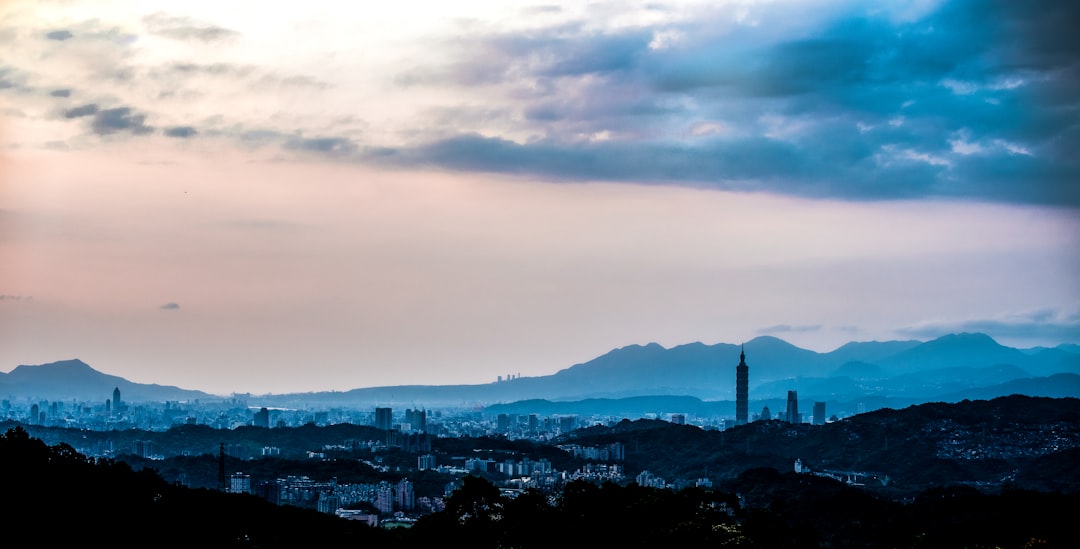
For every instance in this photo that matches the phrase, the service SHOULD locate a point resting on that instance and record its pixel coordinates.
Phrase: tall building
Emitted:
(383, 418)
(117, 407)
(742, 390)
(426, 461)
(792, 413)
(819, 413)
(405, 499)
(417, 419)
(239, 483)
(261, 418)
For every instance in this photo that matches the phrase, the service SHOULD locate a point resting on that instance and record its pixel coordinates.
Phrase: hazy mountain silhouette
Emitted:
(906, 370)
(76, 380)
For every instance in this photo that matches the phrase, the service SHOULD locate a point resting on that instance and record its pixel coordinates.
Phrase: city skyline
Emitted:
(274, 198)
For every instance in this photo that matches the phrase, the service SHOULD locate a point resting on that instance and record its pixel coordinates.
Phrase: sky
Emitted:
(275, 197)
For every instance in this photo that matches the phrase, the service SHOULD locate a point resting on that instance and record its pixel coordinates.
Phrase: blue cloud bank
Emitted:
(975, 100)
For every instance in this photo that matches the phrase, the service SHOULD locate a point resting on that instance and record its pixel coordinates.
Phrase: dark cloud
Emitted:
(749, 164)
(9, 78)
(976, 100)
(180, 131)
(66, 92)
(184, 28)
(120, 119)
(327, 145)
(59, 35)
(170, 306)
(80, 111)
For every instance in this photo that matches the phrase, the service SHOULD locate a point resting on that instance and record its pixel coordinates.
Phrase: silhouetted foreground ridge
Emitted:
(85, 501)
(88, 500)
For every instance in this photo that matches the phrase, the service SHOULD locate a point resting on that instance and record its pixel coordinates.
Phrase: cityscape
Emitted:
(401, 446)
(764, 274)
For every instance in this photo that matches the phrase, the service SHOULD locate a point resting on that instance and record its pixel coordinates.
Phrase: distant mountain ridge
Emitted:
(908, 371)
(76, 380)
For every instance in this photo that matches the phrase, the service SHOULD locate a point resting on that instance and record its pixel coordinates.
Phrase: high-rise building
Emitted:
(117, 407)
(819, 413)
(262, 418)
(426, 461)
(384, 497)
(792, 413)
(405, 499)
(417, 419)
(742, 390)
(239, 483)
(383, 418)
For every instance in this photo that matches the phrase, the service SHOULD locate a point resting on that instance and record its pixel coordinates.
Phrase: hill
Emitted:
(44, 479)
(76, 380)
(899, 371)
(1016, 440)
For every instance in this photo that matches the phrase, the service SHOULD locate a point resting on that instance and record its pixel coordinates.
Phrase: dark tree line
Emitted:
(84, 499)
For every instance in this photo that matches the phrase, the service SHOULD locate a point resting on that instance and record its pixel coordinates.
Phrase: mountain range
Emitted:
(873, 374)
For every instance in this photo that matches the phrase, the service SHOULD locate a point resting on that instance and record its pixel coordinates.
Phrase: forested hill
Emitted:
(86, 501)
(1017, 440)
(763, 508)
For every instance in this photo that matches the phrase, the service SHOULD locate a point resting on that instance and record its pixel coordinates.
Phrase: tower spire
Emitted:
(742, 389)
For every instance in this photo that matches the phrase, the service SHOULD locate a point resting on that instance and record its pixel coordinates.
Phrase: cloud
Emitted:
(1048, 325)
(59, 35)
(853, 105)
(748, 164)
(327, 145)
(787, 328)
(81, 111)
(120, 119)
(170, 306)
(66, 92)
(184, 28)
(12, 78)
(180, 131)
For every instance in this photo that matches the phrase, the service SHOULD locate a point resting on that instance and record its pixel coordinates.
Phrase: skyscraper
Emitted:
(819, 413)
(742, 390)
(792, 414)
(417, 419)
(261, 418)
(383, 418)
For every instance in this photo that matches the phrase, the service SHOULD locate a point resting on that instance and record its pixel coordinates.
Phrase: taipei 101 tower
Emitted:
(742, 390)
